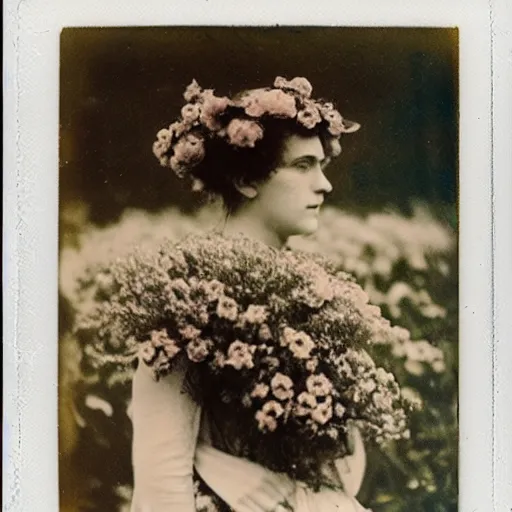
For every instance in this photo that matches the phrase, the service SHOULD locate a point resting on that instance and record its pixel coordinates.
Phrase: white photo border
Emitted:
(31, 135)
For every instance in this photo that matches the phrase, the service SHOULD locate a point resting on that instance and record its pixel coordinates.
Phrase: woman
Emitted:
(264, 153)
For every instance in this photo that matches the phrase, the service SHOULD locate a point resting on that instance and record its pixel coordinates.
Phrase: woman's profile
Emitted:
(253, 388)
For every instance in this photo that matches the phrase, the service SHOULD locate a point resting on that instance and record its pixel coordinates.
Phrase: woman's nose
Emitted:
(323, 184)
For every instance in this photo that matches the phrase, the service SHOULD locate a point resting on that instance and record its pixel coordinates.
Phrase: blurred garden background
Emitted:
(391, 219)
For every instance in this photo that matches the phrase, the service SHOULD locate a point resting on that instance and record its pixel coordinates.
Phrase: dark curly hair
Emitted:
(224, 165)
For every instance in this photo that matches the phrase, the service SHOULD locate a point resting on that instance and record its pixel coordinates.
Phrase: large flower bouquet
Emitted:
(276, 341)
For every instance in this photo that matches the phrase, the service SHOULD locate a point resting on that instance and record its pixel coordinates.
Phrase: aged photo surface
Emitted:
(258, 269)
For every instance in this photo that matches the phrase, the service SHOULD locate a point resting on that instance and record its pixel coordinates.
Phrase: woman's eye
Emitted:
(303, 165)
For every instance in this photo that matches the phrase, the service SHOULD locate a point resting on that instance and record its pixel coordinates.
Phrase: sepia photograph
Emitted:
(258, 269)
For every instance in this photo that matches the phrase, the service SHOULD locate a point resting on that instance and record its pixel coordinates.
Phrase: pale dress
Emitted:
(170, 439)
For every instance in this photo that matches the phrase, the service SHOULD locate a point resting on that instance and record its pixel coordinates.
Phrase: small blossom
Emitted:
(244, 133)
(192, 92)
(160, 148)
(318, 385)
(213, 289)
(282, 386)
(190, 332)
(190, 113)
(271, 102)
(158, 338)
(268, 414)
(213, 106)
(147, 351)
(239, 355)
(309, 116)
(299, 343)
(255, 314)
(227, 308)
(382, 401)
(322, 413)
(306, 402)
(260, 390)
(300, 85)
(189, 150)
(198, 350)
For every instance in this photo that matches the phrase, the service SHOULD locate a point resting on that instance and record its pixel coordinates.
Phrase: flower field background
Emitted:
(408, 266)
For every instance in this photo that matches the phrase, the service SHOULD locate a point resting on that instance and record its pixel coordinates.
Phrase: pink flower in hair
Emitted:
(189, 149)
(212, 107)
(178, 128)
(274, 102)
(160, 148)
(298, 84)
(244, 133)
(192, 92)
(190, 113)
(335, 121)
(309, 116)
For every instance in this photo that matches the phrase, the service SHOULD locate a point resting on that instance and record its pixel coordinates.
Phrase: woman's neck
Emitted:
(250, 226)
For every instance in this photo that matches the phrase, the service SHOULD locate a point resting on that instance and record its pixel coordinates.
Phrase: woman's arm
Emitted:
(165, 428)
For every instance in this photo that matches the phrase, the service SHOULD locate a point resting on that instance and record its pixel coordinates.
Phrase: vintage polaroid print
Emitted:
(263, 257)
(289, 367)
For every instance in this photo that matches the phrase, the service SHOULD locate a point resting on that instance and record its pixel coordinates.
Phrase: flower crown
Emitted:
(181, 146)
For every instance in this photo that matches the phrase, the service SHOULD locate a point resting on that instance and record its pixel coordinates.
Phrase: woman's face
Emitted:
(289, 201)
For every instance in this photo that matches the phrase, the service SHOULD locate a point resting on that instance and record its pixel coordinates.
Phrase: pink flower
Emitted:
(299, 343)
(198, 350)
(306, 402)
(227, 308)
(282, 386)
(255, 314)
(336, 127)
(239, 355)
(189, 150)
(190, 113)
(212, 107)
(309, 116)
(268, 415)
(158, 338)
(300, 85)
(318, 385)
(160, 148)
(271, 102)
(192, 92)
(165, 136)
(179, 128)
(213, 289)
(190, 332)
(260, 390)
(147, 351)
(244, 133)
(322, 413)
(382, 401)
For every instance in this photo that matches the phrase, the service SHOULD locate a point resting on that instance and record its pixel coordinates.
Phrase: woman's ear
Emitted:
(248, 190)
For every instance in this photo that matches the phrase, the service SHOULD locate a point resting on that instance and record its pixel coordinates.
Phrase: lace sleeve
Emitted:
(165, 429)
